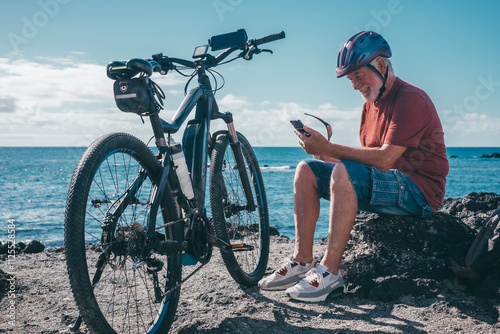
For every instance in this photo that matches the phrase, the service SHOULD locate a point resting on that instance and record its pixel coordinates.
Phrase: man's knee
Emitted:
(304, 174)
(339, 177)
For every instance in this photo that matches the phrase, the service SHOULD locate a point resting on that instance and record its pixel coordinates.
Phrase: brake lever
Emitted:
(247, 54)
(251, 50)
(164, 63)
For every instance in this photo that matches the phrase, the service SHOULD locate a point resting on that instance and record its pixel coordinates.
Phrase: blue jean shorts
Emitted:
(386, 192)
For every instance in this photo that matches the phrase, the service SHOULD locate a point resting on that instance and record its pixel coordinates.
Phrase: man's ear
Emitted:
(381, 65)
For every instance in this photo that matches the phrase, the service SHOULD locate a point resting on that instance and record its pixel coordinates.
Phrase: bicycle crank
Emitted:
(197, 236)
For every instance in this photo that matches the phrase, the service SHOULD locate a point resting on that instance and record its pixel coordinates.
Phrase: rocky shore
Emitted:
(397, 271)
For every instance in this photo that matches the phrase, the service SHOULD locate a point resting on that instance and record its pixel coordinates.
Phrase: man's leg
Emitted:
(306, 212)
(325, 279)
(343, 209)
(306, 207)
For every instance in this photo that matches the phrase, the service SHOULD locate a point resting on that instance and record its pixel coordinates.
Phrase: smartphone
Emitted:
(297, 124)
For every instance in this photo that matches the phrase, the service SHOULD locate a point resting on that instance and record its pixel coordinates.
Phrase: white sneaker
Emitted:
(317, 285)
(287, 275)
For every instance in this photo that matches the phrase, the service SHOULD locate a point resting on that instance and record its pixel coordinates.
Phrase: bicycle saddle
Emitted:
(117, 70)
(140, 65)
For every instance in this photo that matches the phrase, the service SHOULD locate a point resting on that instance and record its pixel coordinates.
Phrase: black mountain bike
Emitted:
(134, 217)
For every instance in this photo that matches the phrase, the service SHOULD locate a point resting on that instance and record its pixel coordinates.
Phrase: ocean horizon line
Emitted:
(255, 146)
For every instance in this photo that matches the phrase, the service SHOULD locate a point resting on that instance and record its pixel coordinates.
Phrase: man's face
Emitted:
(367, 82)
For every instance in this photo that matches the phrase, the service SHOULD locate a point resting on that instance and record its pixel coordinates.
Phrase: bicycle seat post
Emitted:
(160, 140)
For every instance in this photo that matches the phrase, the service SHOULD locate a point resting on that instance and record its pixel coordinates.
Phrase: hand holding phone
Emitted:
(297, 124)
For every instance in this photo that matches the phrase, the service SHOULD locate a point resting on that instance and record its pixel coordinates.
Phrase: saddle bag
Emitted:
(134, 95)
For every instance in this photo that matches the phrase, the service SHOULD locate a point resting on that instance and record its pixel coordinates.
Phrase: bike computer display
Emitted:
(200, 51)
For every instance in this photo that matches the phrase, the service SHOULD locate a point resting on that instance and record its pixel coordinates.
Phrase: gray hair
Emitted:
(387, 63)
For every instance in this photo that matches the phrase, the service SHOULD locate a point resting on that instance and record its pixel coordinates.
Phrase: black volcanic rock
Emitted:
(390, 256)
(494, 155)
(34, 246)
(474, 208)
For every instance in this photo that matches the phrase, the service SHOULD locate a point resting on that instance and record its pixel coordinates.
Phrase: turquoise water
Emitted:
(35, 182)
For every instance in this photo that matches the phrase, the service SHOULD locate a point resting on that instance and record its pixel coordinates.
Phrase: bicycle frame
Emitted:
(196, 143)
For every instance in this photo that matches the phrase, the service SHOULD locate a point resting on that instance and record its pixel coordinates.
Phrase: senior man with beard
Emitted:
(400, 168)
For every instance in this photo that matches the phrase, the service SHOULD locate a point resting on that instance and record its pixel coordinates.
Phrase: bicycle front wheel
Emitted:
(246, 231)
(119, 284)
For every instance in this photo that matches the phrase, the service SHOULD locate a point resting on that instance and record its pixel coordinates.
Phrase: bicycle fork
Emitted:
(240, 162)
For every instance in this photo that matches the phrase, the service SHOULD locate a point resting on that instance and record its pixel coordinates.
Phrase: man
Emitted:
(400, 169)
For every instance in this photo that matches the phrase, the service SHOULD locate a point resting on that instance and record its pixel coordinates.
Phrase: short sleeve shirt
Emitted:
(407, 117)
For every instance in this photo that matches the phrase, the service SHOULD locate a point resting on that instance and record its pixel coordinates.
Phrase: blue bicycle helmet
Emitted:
(360, 50)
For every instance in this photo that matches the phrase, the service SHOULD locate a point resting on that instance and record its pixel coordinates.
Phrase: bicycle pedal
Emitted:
(242, 247)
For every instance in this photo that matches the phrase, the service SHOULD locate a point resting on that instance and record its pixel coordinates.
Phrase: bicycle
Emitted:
(135, 218)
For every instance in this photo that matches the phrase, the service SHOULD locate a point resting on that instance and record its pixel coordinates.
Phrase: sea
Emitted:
(35, 180)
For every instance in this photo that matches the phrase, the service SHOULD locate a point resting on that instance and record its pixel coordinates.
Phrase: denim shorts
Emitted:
(386, 192)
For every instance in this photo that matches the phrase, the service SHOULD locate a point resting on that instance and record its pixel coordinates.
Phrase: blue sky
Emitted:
(54, 91)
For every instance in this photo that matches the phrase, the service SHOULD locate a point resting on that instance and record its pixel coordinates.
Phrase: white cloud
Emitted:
(38, 85)
(475, 123)
(472, 129)
(231, 102)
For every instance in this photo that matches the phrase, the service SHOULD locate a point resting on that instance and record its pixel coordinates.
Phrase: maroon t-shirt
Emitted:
(407, 117)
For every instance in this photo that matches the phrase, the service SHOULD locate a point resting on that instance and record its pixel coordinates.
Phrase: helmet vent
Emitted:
(343, 60)
(351, 57)
(361, 41)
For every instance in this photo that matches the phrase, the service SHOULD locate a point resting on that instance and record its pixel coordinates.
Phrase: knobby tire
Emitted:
(246, 231)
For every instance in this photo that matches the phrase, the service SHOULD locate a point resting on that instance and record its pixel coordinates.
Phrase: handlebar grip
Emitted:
(269, 38)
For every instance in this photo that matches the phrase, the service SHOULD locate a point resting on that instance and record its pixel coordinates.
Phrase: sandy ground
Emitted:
(211, 302)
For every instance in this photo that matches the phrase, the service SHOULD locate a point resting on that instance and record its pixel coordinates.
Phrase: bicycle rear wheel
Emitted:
(118, 285)
(246, 231)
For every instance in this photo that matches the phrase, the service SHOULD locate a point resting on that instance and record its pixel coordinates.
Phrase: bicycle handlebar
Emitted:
(183, 62)
(119, 69)
(268, 38)
(211, 61)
